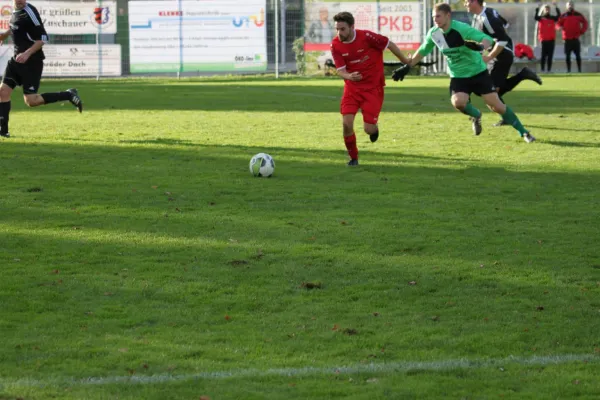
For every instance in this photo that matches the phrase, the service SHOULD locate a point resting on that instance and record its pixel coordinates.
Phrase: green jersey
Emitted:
(462, 61)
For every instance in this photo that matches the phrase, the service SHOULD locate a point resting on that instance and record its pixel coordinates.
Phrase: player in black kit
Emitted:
(25, 67)
(499, 63)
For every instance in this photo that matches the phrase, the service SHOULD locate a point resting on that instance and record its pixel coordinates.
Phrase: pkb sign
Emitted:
(395, 23)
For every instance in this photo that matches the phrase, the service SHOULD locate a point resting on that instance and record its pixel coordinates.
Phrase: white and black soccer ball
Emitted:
(263, 165)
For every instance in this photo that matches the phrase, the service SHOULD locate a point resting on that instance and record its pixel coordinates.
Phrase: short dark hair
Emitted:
(344, 16)
(443, 7)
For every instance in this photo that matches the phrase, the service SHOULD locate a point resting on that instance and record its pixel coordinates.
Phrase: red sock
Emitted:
(350, 142)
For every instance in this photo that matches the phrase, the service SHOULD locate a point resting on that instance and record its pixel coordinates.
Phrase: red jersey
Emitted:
(573, 25)
(546, 29)
(362, 54)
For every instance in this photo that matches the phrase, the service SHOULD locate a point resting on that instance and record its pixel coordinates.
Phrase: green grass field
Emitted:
(141, 260)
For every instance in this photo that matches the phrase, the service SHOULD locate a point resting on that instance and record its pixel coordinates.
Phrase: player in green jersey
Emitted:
(461, 44)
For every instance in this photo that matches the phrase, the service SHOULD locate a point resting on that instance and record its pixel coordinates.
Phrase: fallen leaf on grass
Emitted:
(227, 317)
(376, 314)
(259, 255)
(335, 327)
(350, 331)
(311, 285)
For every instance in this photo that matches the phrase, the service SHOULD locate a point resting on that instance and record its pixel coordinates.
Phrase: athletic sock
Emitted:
(511, 118)
(471, 111)
(56, 96)
(511, 83)
(4, 114)
(350, 142)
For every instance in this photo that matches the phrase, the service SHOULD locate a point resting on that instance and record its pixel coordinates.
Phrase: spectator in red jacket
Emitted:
(546, 25)
(573, 25)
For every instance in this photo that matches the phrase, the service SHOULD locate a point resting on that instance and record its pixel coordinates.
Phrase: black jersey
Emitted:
(492, 24)
(26, 27)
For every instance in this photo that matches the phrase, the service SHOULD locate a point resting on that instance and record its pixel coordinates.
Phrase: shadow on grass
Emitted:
(571, 144)
(149, 251)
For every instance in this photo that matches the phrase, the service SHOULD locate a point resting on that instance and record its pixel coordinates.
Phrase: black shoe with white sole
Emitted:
(75, 99)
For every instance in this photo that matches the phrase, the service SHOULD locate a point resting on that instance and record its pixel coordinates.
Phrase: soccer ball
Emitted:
(263, 165)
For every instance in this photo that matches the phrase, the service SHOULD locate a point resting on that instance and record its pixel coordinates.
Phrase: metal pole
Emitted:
(283, 35)
(526, 22)
(276, 39)
(592, 25)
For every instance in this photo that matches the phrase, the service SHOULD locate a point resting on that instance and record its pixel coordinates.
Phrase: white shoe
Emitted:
(528, 138)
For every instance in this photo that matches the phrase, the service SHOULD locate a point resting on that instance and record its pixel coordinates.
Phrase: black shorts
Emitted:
(479, 84)
(27, 75)
(501, 68)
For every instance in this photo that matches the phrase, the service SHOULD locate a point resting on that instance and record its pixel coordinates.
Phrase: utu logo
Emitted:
(258, 21)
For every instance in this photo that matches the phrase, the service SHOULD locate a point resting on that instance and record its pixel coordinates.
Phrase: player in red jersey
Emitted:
(358, 57)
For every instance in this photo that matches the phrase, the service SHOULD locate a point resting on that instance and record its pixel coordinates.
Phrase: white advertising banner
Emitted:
(197, 35)
(69, 17)
(76, 60)
(82, 60)
(399, 21)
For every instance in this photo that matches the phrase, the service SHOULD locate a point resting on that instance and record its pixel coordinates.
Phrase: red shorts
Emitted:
(369, 101)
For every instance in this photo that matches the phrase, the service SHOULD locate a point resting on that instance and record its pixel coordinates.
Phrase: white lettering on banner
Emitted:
(70, 18)
(208, 35)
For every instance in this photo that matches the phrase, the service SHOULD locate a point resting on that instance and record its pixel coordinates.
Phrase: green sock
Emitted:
(471, 111)
(510, 117)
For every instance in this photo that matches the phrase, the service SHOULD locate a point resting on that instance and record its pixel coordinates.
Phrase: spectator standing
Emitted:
(573, 25)
(546, 27)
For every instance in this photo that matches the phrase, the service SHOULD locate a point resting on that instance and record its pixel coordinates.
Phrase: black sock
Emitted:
(510, 84)
(4, 113)
(54, 97)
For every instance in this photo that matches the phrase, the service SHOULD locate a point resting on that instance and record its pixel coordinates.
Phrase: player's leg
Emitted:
(492, 100)
(460, 90)
(577, 51)
(31, 85)
(371, 108)
(551, 45)
(350, 138)
(10, 80)
(348, 108)
(501, 71)
(568, 48)
(544, 57)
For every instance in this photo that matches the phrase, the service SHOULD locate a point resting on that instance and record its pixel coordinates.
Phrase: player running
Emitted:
(500, 59)
(457, 42)
(25, 67)
(358, 57)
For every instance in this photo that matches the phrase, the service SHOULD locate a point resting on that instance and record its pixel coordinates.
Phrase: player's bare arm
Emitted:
(398, 53)
(23, 57)
(351, 76)
(415, 59)
(493, 53)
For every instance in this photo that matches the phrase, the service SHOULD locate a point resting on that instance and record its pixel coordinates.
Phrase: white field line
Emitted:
(393, 367)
